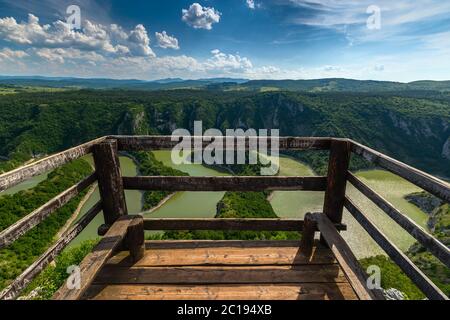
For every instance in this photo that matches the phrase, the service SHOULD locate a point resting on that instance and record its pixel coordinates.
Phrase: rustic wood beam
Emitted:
(309, 230)
(110, 182)
(430, 290)
(134, 239)
(437, 248)
(337, 179)
(93, 262)
(20, 283)
(347, 260)
(236, 183)
(433, 185)
(19, 228)
(259, 224)
(147, 143)
(14, 177)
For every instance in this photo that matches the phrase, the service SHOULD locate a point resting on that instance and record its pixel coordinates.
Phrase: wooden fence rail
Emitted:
(437, 248)
(224, 224)
(148, 143)
(430, 290)
(238, 183)
(14, 177)
(20, 283)
(433, 185)
(114, 206)
(19, 228)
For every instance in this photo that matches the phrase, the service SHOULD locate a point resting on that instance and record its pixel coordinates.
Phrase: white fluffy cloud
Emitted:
(227, 62)
(251, 4)
(99, 50)
(200, 17)
(8, 54)
(110, 39)
(165, 41)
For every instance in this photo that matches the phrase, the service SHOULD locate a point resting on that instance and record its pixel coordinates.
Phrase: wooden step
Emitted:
(208, 274)
(188, 256)
(239, 270)
(321, 291)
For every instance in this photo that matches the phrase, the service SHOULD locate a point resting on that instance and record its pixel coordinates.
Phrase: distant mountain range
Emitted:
(228, 84)
(103, 83)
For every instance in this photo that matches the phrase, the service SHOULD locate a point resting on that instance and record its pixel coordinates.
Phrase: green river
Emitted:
(287, 204)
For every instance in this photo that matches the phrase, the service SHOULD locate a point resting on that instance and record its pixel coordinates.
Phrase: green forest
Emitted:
(411, 125)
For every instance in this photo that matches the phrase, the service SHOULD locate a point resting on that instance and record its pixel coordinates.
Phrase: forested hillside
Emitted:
(411, 127)
(19, 255)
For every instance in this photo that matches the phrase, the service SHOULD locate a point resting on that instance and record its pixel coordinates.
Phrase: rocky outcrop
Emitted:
(393, 294)
(134, 122)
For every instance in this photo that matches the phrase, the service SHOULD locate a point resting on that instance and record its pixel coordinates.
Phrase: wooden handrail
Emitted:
(232, 183)
(20, 283)
(433, 185)
(347, 260)
(430, 290)
(437, 248)
(148, 143)
(19, 228)
(14, 177)
(93, 262)
(224, 224)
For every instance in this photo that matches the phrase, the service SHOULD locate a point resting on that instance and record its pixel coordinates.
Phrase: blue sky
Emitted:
(400, 40)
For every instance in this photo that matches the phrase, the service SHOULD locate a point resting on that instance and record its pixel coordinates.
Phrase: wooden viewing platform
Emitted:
(124, 266)
(185, 270)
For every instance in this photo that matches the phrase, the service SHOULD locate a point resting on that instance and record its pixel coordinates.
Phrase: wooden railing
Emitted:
(112, 185)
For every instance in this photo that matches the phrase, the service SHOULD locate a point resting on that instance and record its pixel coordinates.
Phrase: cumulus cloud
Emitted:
(110, 39)
(8, 54)
(200, 17)
(165, 41)
(227, 62)
(61, 55)
(251, 4)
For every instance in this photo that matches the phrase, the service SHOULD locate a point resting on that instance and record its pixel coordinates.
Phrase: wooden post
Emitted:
(337, 179)
(134, 239)
(309, 230)
(110, 181)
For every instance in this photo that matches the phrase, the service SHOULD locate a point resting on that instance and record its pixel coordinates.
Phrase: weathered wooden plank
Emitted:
(259, 224)
(437, 248)
(191, 255)
(309, 230)
(347, 260)
(303, 291)
(20, 283)
(14, 177)
(220, 274)
(110, 182)
(19, 228)
(411, 270)
(337, 179)
(134, 239)
(192, 244)
(92, 263)
(433, 185)
(238, 183)
(146, 143)
(223, 224)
